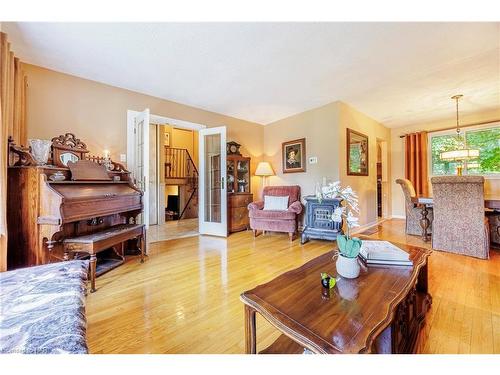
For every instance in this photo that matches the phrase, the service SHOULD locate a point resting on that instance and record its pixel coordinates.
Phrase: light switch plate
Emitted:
(123, 157)
(313, 160)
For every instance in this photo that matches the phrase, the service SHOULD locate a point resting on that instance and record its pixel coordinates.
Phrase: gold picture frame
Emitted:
(357, 153)
(293, 155)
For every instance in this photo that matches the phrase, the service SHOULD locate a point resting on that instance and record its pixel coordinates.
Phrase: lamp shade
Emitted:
(458, 155)
(264, 169)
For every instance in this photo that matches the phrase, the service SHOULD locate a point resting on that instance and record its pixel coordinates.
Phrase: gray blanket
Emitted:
(42, 309)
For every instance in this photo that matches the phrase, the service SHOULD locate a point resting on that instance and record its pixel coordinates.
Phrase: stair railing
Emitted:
(180, 164)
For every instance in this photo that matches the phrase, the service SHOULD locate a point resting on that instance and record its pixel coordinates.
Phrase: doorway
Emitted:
(382, 179)
(379, 180)
(163, 155)
(179, 180)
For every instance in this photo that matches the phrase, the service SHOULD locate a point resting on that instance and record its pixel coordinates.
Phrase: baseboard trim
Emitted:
(398, 217)
(369, 225)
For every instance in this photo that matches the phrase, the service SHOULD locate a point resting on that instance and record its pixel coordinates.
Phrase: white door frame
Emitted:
(156, 120)
(131, 141)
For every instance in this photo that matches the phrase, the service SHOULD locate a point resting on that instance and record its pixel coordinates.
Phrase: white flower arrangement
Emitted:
(350, 198)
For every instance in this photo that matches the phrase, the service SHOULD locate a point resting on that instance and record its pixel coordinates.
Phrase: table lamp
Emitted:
(264, 170)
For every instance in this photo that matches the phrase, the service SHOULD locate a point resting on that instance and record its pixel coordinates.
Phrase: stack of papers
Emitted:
(383, 253)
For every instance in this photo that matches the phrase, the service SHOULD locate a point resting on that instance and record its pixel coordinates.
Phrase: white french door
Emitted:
(140, 170)
(212, 211)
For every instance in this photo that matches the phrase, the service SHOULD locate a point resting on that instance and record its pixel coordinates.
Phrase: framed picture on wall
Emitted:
(357, 153)
(293, 154)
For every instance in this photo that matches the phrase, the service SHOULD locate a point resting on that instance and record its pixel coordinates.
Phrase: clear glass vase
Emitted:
(40, 149)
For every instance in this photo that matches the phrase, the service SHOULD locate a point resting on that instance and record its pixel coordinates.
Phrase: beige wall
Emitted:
(492, 186)
(325, 131)
(320, 128)
(365, 186)
(187, 139)
(97, 113)
(172, 190)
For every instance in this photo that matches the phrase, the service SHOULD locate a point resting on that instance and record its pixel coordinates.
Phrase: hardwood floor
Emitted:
(185, 297)
(173, 229)
(465, 312)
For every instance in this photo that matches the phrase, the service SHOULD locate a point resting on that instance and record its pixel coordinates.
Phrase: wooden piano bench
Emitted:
(103, 240)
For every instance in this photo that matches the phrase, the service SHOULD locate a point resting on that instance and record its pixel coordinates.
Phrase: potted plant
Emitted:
(349, 247)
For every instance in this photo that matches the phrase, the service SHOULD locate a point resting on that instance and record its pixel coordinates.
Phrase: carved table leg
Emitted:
(93, 261)
(250, 331)
(425, 223)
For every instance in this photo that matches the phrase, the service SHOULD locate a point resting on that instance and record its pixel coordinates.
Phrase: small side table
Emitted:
(319, 223)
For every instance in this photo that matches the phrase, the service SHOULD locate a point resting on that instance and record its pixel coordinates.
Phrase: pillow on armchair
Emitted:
(275, 203)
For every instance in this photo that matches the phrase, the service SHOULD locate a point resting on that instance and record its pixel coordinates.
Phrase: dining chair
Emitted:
(460, 224)
(494, 221)
(413, 213)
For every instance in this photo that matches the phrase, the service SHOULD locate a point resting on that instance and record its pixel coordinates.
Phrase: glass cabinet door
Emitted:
(231, 166)
(243, 176)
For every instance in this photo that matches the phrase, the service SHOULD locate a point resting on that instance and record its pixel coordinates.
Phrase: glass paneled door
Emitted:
(140, 163)
(212, 182)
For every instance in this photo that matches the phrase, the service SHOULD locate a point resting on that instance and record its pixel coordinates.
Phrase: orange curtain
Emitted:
(13, 84)
(416, 162)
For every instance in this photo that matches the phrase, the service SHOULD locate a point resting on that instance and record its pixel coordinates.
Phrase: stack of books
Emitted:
(383, 253)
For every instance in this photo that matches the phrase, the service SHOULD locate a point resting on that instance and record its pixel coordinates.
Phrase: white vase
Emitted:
(348, 267)
(40, 149)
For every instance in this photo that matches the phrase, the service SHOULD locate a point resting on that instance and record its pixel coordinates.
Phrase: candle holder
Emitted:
(107, 161)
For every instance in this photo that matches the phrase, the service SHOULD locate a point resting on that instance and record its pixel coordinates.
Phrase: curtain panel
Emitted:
(416, 166)
(13, 83)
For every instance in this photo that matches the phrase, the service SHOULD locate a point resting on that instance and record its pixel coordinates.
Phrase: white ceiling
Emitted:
(397, 73)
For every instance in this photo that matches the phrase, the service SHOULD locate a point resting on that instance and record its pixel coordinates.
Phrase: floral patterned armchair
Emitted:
(276, 221)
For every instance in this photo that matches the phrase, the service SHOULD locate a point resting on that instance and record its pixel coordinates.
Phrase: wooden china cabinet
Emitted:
(238, 192)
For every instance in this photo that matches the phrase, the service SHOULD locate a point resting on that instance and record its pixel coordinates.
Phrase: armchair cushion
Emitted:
(296, 207)
(272, 215)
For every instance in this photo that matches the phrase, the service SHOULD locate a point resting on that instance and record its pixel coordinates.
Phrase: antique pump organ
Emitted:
(74, 206)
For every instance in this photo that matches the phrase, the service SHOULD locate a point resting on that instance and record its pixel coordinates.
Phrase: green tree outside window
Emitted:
(487, 141)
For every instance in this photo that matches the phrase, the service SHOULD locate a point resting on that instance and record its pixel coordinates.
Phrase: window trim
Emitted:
(463, 129)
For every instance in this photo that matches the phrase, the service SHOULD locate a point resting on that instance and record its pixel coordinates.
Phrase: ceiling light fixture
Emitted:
(461, 153)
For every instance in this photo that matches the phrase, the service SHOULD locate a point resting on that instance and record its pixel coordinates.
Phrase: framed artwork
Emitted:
(357, 153)
(293, 154)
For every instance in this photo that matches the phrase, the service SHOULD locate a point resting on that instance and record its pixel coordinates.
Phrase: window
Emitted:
(486, 140)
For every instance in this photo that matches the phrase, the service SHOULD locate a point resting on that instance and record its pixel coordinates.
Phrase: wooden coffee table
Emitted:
(381, 311)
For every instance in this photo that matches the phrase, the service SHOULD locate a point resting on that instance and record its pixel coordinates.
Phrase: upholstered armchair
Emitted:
(413, 214)
(460, 225)
(274, 220)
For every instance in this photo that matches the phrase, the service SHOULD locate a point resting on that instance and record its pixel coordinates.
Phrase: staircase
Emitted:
(181, 170)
